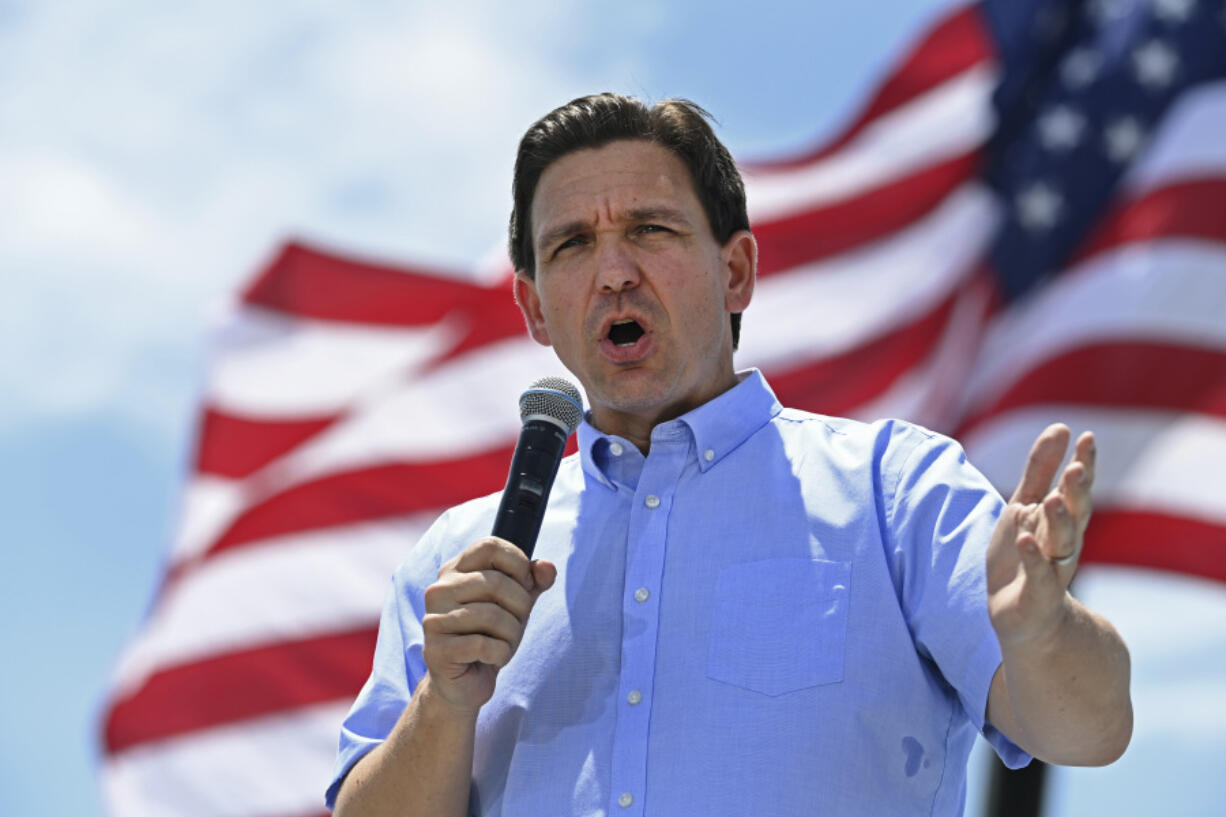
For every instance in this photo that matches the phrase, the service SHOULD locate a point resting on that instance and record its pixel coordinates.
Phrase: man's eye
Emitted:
(653, 228)
(568, 243)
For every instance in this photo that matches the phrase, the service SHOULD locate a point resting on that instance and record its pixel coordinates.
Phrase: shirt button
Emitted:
(708, 455)
(625, 800)
(634, 697)
(642, 594)
(652, 501)
(616, 449)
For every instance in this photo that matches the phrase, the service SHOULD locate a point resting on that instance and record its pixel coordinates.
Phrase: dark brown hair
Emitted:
(595, 121)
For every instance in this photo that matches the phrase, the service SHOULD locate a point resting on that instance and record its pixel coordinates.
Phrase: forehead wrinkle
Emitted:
(618, 189)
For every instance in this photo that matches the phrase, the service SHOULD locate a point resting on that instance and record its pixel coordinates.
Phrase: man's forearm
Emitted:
(1068, 694)
(423, 768)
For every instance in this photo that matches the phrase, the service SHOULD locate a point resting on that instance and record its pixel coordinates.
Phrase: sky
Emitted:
(154, 155)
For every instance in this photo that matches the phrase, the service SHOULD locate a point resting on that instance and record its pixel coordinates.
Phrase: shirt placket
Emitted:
(645, 550)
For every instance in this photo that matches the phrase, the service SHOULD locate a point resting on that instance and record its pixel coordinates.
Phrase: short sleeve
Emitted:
(942, 512)
(397, 667)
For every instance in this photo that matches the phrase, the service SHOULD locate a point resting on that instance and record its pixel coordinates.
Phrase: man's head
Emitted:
(594, 121)
(629, 258)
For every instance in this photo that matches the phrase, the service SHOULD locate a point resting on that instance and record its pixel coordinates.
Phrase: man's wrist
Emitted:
(433, 704)
(1038, 636)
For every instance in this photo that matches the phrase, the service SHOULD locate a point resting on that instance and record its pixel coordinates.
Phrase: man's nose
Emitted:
(616, 267)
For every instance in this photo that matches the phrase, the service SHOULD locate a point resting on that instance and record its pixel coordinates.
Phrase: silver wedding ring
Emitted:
(1064, 561)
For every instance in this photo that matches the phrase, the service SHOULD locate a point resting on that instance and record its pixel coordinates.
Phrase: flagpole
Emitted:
(1016, 792)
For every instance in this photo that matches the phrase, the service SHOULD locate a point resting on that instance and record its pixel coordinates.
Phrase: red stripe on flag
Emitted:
(810, 235)
(957, 42)
(370, 493)
(1157, 540)
(307, 283)
(234, 447)
(1192, 209)
(1122, 375)
(836, 385)
(240, 685)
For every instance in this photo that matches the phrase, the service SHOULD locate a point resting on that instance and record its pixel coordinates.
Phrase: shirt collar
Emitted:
(717, 426)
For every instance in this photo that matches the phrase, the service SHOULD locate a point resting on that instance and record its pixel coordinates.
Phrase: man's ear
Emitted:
(740, 257)
(530, 304)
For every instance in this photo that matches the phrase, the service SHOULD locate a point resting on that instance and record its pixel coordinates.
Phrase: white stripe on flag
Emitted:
(929, 393)
(1168, 290)
(868, 292)
(1148, 460)
(277, 765)
(1188, 145)
(906, 140)
(275, 367)
(293, 586)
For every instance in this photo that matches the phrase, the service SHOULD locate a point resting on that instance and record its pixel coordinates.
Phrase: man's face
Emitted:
(632, 290)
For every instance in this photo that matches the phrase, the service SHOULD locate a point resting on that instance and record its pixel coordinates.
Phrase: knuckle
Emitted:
(432, 654)
(432, 624)
(497, 652)
(501, 585)
(473, 616)
(449, 566)
(486, 545)
(435, 595)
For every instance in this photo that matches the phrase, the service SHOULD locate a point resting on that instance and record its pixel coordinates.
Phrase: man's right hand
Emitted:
(475, 618)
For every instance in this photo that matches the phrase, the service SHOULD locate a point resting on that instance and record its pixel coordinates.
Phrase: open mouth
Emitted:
(625, 333)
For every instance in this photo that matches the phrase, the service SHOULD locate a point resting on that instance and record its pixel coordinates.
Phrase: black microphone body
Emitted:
(551, 409)
(533, 468)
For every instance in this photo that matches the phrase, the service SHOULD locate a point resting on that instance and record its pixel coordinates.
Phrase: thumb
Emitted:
(544, 574)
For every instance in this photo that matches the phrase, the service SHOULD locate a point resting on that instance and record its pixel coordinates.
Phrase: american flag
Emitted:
(1026, 223)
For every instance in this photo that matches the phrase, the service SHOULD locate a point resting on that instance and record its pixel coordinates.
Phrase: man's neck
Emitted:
(637, 426)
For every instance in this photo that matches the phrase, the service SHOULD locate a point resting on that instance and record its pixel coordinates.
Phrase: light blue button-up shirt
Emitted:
(772, 613)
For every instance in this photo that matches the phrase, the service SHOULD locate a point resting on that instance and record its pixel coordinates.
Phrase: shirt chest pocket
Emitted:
(780, 624)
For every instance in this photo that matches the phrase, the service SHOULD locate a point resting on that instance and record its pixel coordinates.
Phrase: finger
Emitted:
(1031, 557)
(492, 553)
(544, 574)
(466, 649)
(1058, 535)
(1075, 487)
(1043, 582)
(482, 618)
(1042, 464)
(457, 589)
(1086, 453)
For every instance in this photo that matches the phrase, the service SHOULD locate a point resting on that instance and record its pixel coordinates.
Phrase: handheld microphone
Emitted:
(551, 409)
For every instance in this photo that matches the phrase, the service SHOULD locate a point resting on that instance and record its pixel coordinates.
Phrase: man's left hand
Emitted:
(1037, 542)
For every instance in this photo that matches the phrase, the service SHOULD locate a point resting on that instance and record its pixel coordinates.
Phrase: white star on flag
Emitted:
(1154, 64)
(1061, 127)
(1080, 68)
(1038, 206)
(1174, 11)
(1102, 12)
(1122, 138)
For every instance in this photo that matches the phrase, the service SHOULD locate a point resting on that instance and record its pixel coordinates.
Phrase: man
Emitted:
(737, 608)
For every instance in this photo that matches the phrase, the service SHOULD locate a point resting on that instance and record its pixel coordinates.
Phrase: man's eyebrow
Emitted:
(658, 214)
(569, 228)
(561, 231)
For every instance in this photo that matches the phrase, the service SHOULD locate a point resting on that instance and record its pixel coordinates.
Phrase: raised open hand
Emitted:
(1037, 542)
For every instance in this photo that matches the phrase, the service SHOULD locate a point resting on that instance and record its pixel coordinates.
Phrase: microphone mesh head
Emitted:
(554, 397)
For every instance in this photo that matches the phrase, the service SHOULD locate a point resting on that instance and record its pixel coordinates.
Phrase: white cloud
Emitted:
(155, 155)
